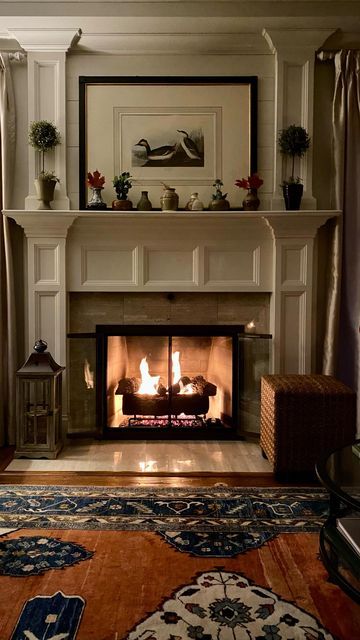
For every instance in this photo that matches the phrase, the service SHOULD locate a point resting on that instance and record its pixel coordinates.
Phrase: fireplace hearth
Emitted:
(167, 381)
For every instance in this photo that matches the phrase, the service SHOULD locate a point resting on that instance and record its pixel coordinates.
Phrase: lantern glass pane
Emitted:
(37, 406)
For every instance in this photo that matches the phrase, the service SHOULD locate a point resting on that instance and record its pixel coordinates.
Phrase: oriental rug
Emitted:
(215, 563)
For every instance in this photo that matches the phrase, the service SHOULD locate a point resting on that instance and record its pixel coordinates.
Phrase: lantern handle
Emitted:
(40, 346)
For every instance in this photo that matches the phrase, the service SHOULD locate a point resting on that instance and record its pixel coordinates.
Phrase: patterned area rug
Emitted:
(219, 604)
(167, 564)
(35, 554)
(201, 509)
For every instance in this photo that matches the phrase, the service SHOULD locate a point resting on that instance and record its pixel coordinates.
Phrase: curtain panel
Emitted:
(8, 349)
(344, 309)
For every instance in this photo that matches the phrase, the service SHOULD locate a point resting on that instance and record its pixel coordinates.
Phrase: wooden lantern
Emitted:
(38, 386)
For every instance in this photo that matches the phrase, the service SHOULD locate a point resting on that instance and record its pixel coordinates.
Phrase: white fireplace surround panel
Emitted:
(180, 251)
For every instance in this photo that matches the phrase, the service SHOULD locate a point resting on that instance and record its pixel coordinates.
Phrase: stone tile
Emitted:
(146, 308)
(194, 308)
(89, 309)
(235, 308)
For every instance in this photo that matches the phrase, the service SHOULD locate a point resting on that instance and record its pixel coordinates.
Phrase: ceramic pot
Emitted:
(45, 192)
(169, 200)
(292, 196)
(194, 203)
(122, 205)
(96, 201)
(144, 203)
(219, 205)
(251, 201)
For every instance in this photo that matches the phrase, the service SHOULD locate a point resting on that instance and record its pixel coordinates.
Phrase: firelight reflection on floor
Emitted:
(181, 456)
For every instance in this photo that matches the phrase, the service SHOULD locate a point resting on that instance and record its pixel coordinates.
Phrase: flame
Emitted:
(148, 383)
(88, 375)
(176, 370)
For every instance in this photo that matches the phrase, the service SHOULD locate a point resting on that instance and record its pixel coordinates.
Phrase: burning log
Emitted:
(127, 385)
(203, 387)
(145, 405)
(161, 389)
(198, 384)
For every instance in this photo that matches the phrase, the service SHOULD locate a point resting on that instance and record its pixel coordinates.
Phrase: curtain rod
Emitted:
(326, 55)
(17, 56)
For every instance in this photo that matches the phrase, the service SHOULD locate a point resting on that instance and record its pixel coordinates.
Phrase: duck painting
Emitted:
(166, 152)
(189, 146)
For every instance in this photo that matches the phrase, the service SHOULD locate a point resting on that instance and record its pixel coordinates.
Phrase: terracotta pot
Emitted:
(45, 192)
(122, 205)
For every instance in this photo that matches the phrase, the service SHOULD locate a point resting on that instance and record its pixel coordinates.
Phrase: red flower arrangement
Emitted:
(251, 182)
(95, 179)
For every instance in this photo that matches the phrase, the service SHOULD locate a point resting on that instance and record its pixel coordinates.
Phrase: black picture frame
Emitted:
(214, 86)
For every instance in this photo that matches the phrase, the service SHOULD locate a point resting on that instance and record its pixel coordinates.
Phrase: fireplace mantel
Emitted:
(263, 251)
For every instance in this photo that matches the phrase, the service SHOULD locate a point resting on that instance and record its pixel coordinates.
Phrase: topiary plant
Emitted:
(43, 136)
(293, 142)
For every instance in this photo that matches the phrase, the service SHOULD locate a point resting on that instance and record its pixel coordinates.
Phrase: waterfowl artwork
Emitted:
(179, 148)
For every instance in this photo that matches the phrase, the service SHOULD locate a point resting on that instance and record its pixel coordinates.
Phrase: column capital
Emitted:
(45, 39)
(296, 45)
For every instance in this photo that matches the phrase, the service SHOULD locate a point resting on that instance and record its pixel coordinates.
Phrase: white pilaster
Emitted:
(45, 285)
(46, 61)
(294, 51)
(292, 308)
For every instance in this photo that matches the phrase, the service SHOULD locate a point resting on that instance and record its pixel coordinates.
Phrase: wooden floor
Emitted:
(121, 479)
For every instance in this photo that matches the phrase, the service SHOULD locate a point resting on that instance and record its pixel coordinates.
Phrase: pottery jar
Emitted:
(169, 200)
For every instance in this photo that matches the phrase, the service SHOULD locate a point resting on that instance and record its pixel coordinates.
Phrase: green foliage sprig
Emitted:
(122, 184)
(218, 195)
(293, 142)
(43, 136)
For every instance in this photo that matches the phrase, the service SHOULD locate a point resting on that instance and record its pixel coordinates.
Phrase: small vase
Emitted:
(144, 203)
(96, 201)
(194, 203)
(169, 201)
(251, 201)
(219, 205)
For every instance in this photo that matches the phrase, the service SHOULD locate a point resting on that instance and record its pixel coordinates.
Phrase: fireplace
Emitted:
(167, 381)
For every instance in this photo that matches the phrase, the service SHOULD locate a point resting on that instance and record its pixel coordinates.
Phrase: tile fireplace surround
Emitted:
(137, 252)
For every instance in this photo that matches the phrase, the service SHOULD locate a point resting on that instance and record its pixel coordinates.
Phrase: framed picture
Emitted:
(182, 131)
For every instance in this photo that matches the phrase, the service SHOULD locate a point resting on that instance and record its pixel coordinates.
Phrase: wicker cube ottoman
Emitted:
(304, 417)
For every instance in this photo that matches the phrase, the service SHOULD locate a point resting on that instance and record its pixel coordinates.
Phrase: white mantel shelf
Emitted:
(222, 251)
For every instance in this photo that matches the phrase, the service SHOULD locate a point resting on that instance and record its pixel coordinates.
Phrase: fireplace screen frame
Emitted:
(218, 429)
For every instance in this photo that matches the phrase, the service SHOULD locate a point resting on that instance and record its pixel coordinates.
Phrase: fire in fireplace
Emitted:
(174, 381)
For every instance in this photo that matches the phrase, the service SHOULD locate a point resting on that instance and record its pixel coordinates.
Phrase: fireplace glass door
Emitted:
(167, 379)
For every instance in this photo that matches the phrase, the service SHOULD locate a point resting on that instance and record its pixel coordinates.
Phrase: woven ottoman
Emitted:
(304, 417)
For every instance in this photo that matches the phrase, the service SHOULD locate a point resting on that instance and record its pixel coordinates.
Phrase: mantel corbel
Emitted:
(304, 226)
(41, 224)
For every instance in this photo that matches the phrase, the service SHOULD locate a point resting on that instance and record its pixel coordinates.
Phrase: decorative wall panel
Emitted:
(108, 267)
